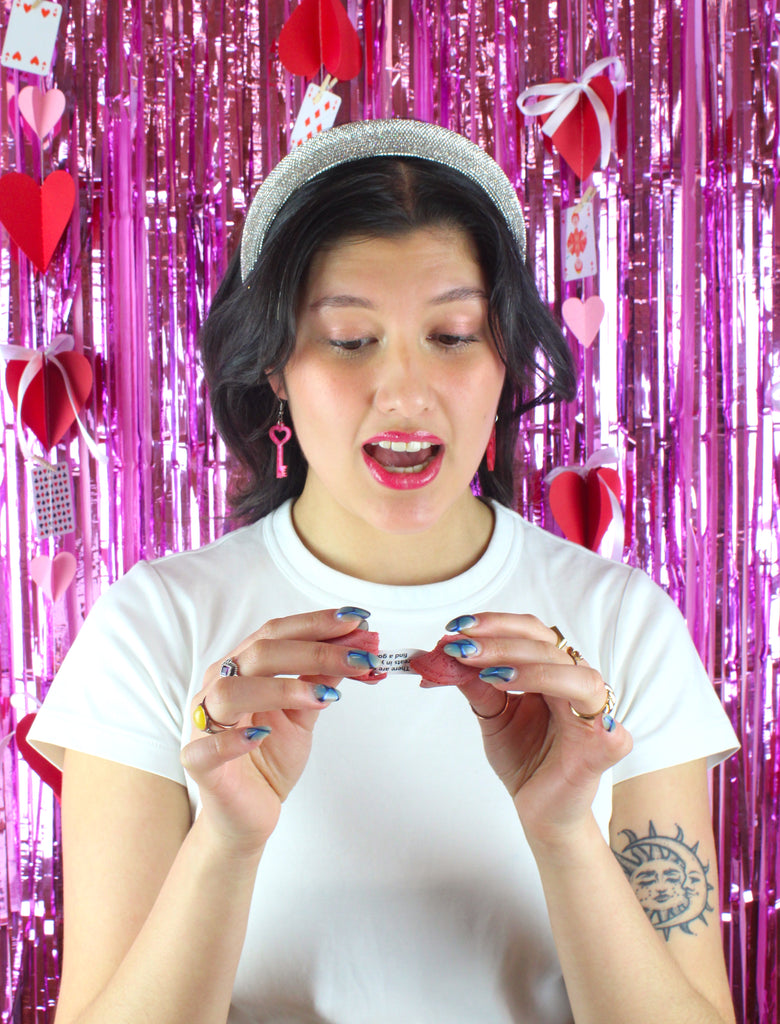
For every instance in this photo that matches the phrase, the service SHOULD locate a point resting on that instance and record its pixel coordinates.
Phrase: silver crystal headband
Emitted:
(359, 140)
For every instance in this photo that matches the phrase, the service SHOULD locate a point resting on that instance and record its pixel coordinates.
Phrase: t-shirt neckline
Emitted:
(307, 572)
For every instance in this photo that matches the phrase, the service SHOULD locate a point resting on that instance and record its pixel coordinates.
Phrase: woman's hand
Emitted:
(549, 759)
(263, 717)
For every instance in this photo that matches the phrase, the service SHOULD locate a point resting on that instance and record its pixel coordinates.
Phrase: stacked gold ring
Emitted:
(606, 709)
(564, 645)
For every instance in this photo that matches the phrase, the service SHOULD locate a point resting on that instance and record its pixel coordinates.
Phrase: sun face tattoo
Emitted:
(668, 878)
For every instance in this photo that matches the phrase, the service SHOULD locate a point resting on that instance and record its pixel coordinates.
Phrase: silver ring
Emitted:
(228, 668)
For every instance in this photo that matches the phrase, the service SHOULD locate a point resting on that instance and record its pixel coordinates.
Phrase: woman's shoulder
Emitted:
(559, 554)
(231, 555)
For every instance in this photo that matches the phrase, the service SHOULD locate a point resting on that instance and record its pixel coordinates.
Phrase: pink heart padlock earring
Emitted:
(280, 434)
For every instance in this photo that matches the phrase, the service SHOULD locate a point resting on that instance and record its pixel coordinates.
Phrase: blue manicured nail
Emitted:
(362, 659)
(460, 648)
(502, 672)
(462, 622)
(326, 694)
(608, 721)
(257, 732)
(348, 612)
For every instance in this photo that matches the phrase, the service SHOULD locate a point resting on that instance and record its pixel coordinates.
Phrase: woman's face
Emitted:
(394, 382)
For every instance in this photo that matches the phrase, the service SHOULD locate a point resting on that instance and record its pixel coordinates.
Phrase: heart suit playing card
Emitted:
(31, 36)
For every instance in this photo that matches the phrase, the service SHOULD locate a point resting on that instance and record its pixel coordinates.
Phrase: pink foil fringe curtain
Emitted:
(176, 112)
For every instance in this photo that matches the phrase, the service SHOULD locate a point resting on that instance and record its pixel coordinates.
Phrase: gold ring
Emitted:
(607, 708)
(564, 645)
(204, 721)
(575, 656)
(562, 641)
(498, 714)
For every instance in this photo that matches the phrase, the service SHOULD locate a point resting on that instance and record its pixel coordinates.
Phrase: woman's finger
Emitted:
(507, 624)
(202, 756)
(324, 624)
(489, 704)
(230, 698)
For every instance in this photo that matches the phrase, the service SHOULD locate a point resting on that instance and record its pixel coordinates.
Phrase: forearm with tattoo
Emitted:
(668, 877)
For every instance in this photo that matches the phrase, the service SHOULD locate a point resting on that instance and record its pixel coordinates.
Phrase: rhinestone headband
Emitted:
(359, 140)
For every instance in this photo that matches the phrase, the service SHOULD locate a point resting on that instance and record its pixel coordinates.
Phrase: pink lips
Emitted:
(404, 481)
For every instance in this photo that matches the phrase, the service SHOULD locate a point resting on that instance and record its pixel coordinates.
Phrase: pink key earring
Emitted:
(280, 434)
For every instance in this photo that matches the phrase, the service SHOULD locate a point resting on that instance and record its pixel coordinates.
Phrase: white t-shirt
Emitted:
(398, 887)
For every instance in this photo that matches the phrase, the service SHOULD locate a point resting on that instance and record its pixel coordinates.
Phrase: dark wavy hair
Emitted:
(250, 330)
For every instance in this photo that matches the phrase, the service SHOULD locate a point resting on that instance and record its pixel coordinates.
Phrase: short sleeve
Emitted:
(122, 686)
(667, 701)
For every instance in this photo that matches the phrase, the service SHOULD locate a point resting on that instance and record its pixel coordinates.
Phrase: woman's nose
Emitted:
(402, 384)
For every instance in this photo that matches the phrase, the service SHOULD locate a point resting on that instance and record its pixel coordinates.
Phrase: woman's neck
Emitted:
(355, 548)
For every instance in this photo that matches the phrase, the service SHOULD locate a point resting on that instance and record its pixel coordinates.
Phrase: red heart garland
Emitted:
(46, 409)
(581, 505)
(36, 216)
(319, 32)
(51, 775)
(577, 139)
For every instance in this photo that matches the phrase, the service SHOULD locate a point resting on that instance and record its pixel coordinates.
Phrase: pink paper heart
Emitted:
(583, 318)
(41, 110)
(53, 575)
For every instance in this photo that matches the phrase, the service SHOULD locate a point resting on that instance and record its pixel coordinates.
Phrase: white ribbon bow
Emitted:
(562, 97)
(35, 358)
(614, 536)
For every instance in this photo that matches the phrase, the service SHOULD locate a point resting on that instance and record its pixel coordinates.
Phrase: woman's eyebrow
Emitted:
(337, 301)
(458, 294)
(451, 295)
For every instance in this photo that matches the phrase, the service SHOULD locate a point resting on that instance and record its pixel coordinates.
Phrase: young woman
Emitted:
(238, 846)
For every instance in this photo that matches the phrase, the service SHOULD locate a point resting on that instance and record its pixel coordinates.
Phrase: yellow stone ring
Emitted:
(205, 722)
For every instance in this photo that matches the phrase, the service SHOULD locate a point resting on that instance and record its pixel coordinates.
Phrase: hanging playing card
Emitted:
(31, 35)
(318, 112)
(578, 243)
(53, 500)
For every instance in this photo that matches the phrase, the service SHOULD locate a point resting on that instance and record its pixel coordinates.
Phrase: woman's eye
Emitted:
(348, 344)
(454, 340)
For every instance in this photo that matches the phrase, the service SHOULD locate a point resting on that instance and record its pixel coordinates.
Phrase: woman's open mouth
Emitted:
(403, 461)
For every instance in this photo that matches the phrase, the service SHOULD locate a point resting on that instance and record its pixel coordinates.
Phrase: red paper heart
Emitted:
(36, 216)
(319, 32)
(581, 506)
(46, 409)
(51, 775)
(577, 139)
(53, 575)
